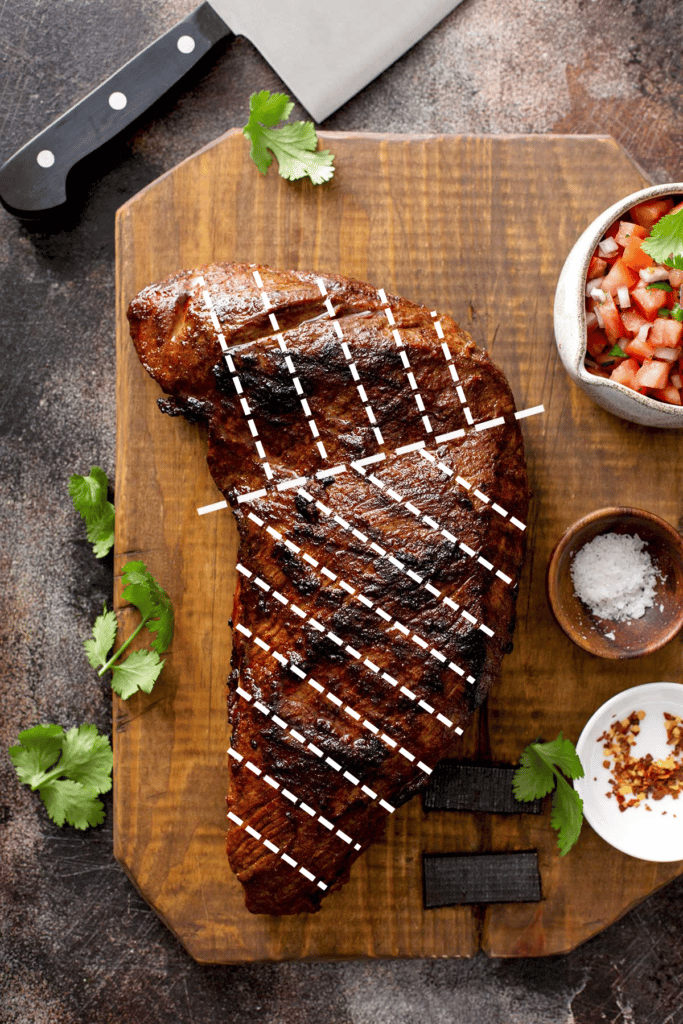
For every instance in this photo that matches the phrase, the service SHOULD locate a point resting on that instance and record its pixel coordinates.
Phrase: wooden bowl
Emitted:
(636, 637)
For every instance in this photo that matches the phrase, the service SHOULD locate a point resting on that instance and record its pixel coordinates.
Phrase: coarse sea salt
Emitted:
(615, 577)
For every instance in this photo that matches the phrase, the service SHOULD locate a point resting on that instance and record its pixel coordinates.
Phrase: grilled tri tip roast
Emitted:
(380, 513)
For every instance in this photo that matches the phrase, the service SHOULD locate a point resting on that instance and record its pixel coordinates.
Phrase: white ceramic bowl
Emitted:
(654, 835)
(570, 323)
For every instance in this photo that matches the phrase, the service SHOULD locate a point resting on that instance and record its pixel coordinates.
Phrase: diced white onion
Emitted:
(595, 283)
(669, 355)
(626, 228)
(643, 333)
(598, 295)
(599, 317)
(591, 320)
(623, 296)
(651, 274)
(607, 246)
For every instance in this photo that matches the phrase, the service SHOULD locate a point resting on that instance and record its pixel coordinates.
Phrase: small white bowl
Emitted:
(570, 323)
(648, 835)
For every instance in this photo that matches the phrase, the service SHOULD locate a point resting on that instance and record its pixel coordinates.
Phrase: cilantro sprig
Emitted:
(141, 668)
(665, 242)
(89, 496)
(294, 144)
(542, 767)
(68, 770)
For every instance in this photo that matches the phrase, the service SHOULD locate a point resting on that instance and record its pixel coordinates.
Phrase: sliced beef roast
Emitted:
(370, 455)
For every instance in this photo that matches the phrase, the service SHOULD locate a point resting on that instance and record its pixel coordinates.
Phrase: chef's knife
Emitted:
(324, 52)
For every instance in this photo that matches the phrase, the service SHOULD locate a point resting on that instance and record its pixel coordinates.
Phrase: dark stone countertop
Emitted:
(78, 943)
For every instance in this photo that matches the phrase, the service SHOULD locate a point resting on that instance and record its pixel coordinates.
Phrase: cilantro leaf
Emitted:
(540, 768)
(139, 671)
(566, 815)
(665, 242)
(142, 590)
(534, 778)
(659, 286)
(87, 758)
(89, 496)
(562, 754)
(294, 144)
(72, 803)
(103, 635)
(40, 747)
(68, 770)
(617, 351)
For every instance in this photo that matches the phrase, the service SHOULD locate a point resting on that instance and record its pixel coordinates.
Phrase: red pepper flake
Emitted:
(635, 779)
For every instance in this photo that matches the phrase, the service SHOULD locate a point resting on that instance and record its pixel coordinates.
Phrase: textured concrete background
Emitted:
(78, 944)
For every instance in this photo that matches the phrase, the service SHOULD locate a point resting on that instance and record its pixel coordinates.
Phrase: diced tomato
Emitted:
(648, 300)
(668, 394)
(628, 230)
(635, 256)
(614, 328)
(665, 332)
(625, 373)
(676, 277)
(648, 213)
(653, 374)
(640, 350)
(596, 268)
(619, 275)
(632, 321)
(596, 341)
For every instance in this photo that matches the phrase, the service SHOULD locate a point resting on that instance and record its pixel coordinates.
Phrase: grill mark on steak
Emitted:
(177, 344)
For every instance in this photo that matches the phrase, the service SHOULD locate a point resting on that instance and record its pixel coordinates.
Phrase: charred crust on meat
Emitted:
(306, 509)
(194, 410)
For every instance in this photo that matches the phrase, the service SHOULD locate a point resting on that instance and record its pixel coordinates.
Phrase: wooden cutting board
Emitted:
(477, 228)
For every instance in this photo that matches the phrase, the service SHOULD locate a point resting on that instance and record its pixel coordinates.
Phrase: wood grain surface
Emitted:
(476, 227)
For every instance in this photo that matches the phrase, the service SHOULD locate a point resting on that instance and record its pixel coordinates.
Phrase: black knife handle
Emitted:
(33, 181)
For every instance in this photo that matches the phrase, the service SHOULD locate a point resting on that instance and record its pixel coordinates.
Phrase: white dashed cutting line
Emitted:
(406, 362)
(467, 486)
(452, 369)
(331, 312)
(293, 798)
(276, 849)
(396, 562)
(347, 648)
(400, 500)
(235, 379)
(344, 774)
(332, 697)
(290, 366)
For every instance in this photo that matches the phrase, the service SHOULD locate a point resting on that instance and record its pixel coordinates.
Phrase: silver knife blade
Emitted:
(327, 52)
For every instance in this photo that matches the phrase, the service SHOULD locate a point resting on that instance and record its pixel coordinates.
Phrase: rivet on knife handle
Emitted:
(33, 181)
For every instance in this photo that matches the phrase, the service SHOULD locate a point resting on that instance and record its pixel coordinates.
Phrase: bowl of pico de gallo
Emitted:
(618, 310)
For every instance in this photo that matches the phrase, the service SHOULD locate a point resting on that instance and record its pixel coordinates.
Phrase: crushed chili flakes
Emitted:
(636, 779)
